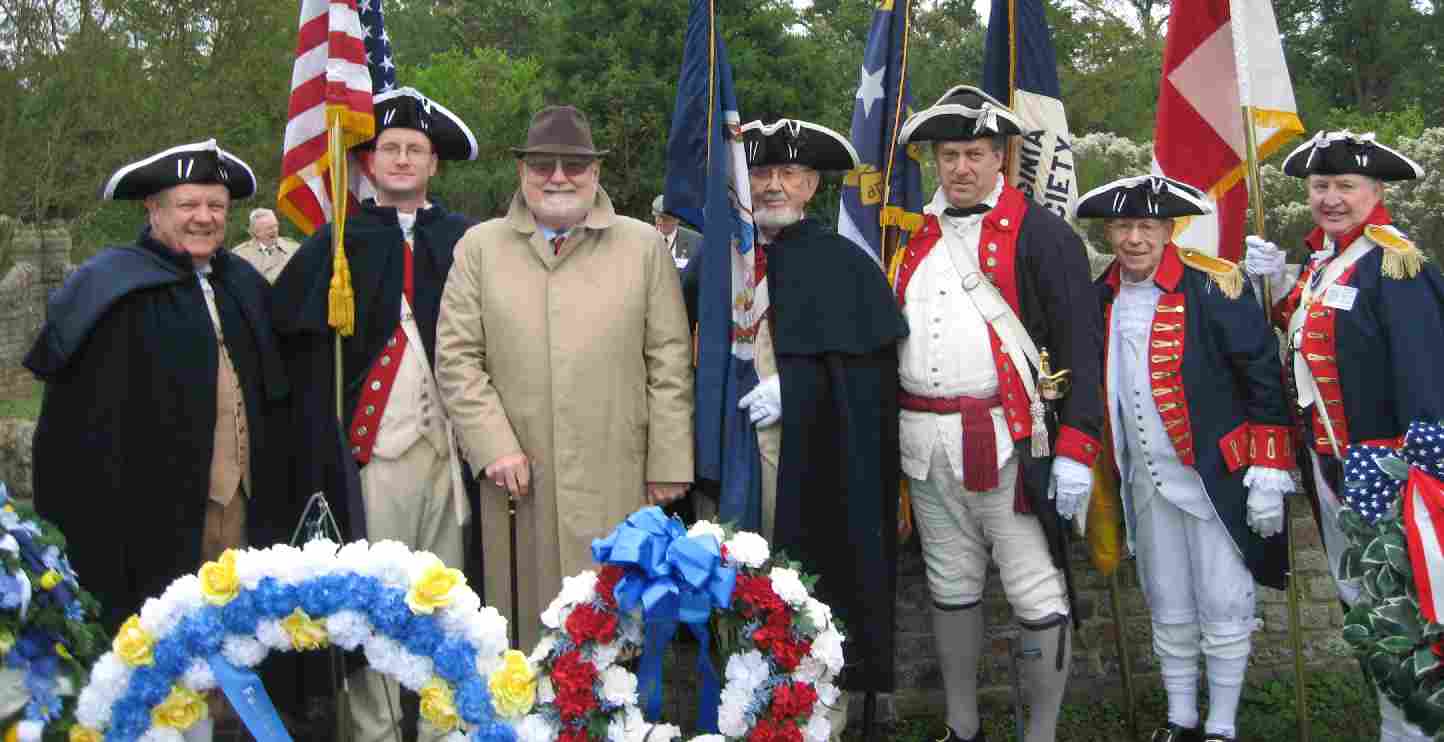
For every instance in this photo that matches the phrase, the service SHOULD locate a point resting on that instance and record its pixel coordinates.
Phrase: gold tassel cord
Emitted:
(341, 299)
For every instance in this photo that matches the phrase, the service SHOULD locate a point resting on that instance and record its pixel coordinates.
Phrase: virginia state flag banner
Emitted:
(1424, 531)
(1219, 56)
(1021, 69)
(887, 188)
(707, 176)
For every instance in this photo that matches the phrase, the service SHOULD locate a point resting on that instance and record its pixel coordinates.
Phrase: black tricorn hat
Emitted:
(786, 141)
(407, 108)
(559, 130)
(199, 163)
(962, 114)
(1347, 153)
(1143, 197)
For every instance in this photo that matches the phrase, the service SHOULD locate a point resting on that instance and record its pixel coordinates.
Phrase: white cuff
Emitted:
(1268, 478)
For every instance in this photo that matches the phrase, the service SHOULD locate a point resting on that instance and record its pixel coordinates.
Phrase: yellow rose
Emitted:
(219, 583)
(306, 633)
(62, 651)
(13, 733)
(7, 642)
(183, 708)
(133, 643)
(437, 706)
(513, 686)
(49, 580)
(432, 587)
(79, 733)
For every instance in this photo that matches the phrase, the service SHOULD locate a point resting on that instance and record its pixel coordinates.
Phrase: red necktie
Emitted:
(557, 243)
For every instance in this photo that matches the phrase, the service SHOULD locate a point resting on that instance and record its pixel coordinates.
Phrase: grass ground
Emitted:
(27, 406)
(1341, 709)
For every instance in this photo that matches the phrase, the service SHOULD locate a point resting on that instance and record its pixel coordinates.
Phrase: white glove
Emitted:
(1072, 485)
(764, 402)
(1266, 490)
(1263, 259)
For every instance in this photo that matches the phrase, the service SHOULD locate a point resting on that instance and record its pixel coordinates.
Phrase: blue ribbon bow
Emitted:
(675, 579)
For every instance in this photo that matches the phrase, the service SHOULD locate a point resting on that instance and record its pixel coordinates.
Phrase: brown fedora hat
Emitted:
(559, 130)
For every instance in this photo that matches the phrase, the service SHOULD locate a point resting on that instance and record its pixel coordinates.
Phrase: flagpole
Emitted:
(1255, 187)
(340, 286)
(892, 232)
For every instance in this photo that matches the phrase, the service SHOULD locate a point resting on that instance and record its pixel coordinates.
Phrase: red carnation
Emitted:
(607, 584)
(574, 735)
(768, 730)
(768, 636)
(573, 678)
(757, 596)
(792, 700)
(586, 623)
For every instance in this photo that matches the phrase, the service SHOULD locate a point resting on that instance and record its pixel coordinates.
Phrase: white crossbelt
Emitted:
(1308, 387)
(1000, 316)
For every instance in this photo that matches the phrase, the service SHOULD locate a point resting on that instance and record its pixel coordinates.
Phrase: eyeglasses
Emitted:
(544, 165)
(788, 173)
(1144, 226)
(394, 150)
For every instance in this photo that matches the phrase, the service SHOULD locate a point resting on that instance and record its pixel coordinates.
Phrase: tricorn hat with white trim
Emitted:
(1143, 197)
(786, 141)
(962, 114)
(407, 108)
(201, 163)
(1347, 153)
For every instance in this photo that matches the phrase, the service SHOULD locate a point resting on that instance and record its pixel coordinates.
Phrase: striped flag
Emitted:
(707, 177)
(1219, 56)
(887, 189)
(1021, 68)
(342, 55)
(1424, 531)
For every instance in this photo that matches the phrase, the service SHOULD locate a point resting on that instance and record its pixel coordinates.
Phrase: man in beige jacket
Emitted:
(267, 251)
(563, 358)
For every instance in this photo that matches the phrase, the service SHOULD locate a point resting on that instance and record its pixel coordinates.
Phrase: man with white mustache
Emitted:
(564, 359)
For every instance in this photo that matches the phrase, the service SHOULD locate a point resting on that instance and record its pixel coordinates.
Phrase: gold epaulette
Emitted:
(1225, 273)
(1401, 258)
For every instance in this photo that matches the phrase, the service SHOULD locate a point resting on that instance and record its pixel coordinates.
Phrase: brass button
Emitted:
(375, 386)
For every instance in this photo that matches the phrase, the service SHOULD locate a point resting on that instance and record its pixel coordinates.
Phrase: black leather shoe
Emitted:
(1176, 733)
(1218, 738)
(950, 736)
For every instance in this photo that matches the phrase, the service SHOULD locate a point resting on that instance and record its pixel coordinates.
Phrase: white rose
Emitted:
(818, 729)
(542, 649)
(535, 728)
(619, 687)
(809, 670)
(788, 586)
(818, 613)
(732, 721)
(708, 528)
(748, 549)
(747, 671)
(827, 647)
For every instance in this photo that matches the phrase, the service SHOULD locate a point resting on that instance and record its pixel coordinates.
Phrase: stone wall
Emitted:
(40, 260)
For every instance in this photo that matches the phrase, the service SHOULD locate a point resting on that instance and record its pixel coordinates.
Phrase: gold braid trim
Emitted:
(1401, 258)
(1225, 274)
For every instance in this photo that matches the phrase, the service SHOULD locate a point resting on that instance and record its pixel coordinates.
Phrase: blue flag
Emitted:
(883, 100)
(1041, 161)
(707, 185)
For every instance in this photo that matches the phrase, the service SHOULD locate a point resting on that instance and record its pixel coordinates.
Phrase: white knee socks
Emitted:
(1177, 649)
(959, 637)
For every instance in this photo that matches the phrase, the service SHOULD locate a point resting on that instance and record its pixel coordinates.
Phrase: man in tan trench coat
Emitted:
(563, 357)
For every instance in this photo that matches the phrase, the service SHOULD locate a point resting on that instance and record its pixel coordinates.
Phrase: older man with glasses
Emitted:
(565, 362)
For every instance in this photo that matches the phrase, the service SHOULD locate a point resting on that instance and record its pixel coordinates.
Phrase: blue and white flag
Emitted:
(887, 188)
(707, 176)
(1020, 68)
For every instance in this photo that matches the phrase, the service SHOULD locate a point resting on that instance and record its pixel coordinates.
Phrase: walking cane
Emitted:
(515, 601)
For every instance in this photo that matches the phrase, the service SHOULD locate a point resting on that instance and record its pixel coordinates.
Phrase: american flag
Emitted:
(1368, 489)
(342, 54)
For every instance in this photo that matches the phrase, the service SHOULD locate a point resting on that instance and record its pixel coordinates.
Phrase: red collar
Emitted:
(1379, 216)
(1167, 276)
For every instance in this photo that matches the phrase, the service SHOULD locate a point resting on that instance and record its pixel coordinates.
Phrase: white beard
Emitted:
(559, 208)
(776, 218)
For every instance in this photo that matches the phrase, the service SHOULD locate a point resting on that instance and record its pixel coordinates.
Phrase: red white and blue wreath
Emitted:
(782, 648)
(1395, 522)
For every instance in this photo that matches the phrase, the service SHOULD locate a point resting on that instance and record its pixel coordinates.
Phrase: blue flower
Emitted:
(171, 657)
(473, 700)
(361, 593)
(12, 591)
(202, 632)
(493, 730)
(149, 686)
(241, 615)
(455, 660)
(129, 719)
(273, 599)
(422, 636)
(390, 614)
(323, 596)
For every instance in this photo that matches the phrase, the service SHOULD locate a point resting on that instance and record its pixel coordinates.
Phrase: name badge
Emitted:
(1340, 297)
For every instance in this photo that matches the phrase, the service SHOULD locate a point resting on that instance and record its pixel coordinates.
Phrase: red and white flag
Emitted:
(330, 81)
(1424, 530)
(1219, 56)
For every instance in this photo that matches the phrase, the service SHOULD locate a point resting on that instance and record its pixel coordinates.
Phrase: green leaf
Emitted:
(1394, 466)
(1350, 568)
(1425, 662)
(1374, 554)
(1399, 560)
(1397, 645)
(1381, 666)
(1355, 527)
(1402, 679)
(1358, 636)
(1386, 581)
